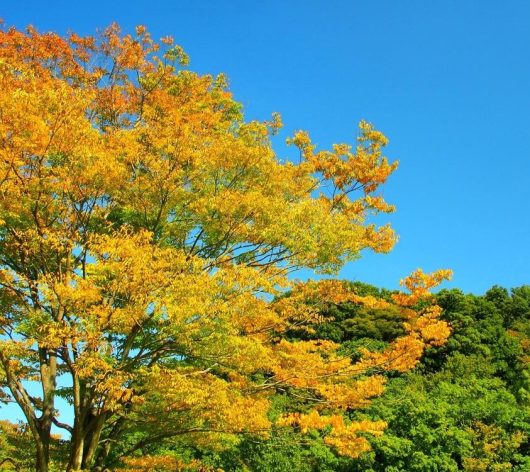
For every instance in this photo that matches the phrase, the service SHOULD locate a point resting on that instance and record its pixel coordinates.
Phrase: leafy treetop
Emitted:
(144, 229)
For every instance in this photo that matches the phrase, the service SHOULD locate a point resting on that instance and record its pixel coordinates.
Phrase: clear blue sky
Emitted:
(448, 82)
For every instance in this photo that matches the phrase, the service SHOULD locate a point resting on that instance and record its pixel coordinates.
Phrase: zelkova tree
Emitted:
(146, 235)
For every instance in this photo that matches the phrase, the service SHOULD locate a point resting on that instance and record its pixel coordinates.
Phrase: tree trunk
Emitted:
(42, 440)
(48, 370)
(92, 440)
(78, 443)
(42, 457)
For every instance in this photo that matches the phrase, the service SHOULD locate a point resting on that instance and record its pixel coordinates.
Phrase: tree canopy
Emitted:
(146, 236)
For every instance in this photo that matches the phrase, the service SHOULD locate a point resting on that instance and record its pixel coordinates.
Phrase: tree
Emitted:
(145, 229)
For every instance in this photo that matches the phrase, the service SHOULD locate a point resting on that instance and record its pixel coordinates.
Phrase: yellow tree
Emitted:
(145, 230)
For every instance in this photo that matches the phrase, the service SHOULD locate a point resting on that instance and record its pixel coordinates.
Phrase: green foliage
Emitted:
(284, 451)
(466, 406)
(436, 420)
(351, 322)
(17, 449)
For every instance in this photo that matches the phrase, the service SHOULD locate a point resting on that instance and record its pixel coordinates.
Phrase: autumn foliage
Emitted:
(146, 236)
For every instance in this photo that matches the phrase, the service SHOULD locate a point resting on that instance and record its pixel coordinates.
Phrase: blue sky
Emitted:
(448, 82)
